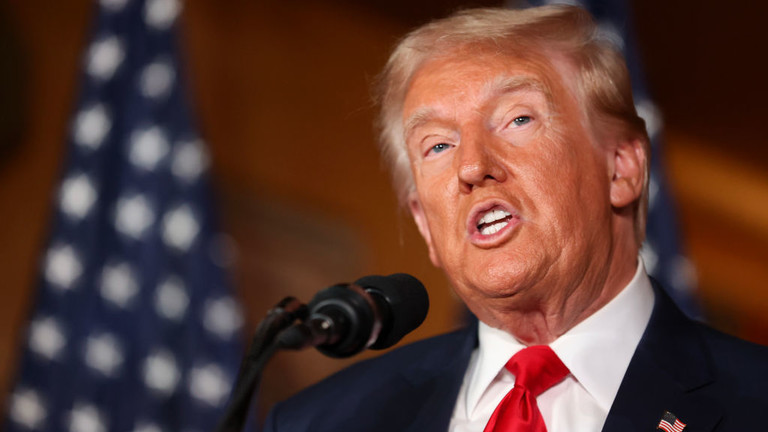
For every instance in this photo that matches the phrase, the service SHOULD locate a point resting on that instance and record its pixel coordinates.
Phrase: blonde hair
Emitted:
(602, 77)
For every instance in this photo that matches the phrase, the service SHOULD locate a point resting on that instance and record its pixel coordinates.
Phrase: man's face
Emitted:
(512, 189)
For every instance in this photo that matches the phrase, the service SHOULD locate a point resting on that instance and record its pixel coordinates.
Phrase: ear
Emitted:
(421, 223)
(628, 160)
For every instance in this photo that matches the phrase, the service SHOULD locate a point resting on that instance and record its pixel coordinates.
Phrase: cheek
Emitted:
(435, 184)
(546, 179)
(441, 213)
(582, 195)
(562, 186)
(438, 204)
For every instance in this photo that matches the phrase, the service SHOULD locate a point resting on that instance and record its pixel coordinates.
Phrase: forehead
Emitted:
(468, 77)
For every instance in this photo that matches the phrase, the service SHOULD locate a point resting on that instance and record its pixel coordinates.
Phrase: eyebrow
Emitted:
(501, 85)
(513, 84)
(421, 116)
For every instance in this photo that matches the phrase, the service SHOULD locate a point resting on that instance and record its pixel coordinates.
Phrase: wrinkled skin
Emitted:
(488, 131)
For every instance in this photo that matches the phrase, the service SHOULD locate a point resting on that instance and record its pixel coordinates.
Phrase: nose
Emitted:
(478, 166)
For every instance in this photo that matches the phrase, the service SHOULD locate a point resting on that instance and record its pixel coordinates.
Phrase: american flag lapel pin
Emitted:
(670, 423)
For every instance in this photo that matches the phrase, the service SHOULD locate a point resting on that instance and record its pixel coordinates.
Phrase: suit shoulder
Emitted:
(430, 350)
(393, 382)
(737, 357)
(425, 352)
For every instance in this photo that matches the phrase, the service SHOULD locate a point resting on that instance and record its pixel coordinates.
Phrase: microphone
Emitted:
(373, 312)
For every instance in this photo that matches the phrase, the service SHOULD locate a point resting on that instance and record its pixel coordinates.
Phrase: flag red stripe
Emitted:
(678, 426)
(666, 426)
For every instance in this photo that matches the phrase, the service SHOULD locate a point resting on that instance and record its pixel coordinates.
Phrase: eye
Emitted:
(439, 148)
(520, 121)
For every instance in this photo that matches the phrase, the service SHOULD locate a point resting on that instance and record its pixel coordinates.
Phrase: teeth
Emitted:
(493, 229)
(493, 221)
(493, 216)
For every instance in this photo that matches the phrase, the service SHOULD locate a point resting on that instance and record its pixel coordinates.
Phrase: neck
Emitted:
(547, 319)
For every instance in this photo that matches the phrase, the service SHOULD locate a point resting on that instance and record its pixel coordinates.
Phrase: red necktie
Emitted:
(536, 369)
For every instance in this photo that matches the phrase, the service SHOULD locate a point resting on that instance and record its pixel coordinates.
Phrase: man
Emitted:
(514, 141)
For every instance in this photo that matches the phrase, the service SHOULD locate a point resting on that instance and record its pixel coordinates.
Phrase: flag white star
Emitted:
(157, 79)
(46, 338)
(62, 267)
(118, 284)
(104, 57)
(133, 216)
(161, 372)
(171, 299)
(683, 274)
(209, 384)
(648, 111)
(91, 126)
(222, 317)
(27, 409)
(147, 427)
(180, 228)
(649, 256)
(653, 191)
(77, 196)
(113, 5)
(103, 353)
(189, 160)
(161, 14)
(148, 147)
(608, 31)
(86, 418)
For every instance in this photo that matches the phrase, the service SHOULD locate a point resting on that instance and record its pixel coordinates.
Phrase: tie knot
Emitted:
(536, 368)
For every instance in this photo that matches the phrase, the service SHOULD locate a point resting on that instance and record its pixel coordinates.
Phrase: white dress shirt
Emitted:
(597, 351)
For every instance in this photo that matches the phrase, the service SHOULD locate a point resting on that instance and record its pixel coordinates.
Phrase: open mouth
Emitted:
(493, 221)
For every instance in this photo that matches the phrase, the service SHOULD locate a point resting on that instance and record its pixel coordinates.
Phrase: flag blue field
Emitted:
(134, 327)
(662, 251)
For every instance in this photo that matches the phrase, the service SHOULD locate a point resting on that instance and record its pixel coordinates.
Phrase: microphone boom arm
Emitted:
(340, 321)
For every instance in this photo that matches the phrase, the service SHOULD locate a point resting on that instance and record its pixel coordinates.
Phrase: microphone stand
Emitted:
(340, 321)
(263, 346)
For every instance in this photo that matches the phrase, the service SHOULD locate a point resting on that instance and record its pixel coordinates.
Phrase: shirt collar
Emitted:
(597, 351)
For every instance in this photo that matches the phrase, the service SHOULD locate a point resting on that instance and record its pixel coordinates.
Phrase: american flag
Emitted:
(662, 252)
(134, 327)
(670, 423)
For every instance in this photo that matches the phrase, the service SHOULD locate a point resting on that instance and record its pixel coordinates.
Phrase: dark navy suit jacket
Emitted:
(710, 381)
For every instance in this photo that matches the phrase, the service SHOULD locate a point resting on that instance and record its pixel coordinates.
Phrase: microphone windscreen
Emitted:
(404, 303)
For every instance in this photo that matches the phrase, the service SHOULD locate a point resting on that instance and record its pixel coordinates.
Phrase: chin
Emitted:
(501, 278)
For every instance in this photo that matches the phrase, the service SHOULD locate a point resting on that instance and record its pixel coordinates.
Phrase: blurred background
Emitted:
(281, 94)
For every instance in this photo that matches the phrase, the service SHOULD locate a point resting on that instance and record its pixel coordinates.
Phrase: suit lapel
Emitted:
(670, 365)
(435, 382)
